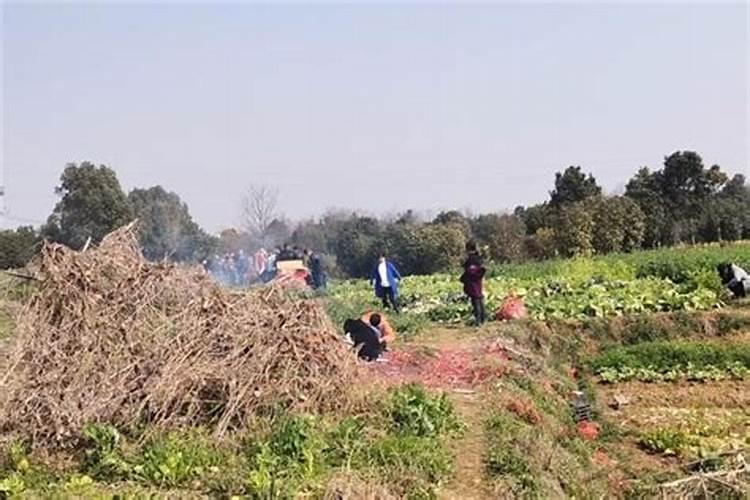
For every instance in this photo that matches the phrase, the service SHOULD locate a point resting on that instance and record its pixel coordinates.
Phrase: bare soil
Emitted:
(469, 480)
(722, 394)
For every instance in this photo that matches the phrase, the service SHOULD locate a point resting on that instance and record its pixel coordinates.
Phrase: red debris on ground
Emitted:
(588, 430)
(453, 368)
(525, 410)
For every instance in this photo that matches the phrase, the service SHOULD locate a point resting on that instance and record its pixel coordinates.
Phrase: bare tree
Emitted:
(259, 211)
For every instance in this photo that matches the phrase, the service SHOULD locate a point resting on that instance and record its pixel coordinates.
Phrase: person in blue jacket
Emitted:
(385, 277)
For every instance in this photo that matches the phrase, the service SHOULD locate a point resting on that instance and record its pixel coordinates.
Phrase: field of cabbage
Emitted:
(677, 279)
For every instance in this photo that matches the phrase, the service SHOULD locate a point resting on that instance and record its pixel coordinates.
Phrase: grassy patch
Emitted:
(533, 449)
(663, 356)
(673, 361)
(666, 441)
(402, 442)
(413, 411)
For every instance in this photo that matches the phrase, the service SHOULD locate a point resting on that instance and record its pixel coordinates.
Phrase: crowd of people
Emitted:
(240, 269)
(371, 333)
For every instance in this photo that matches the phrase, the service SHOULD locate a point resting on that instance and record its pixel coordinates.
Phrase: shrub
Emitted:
(414, 411)
(507, 461)
(411, 457)
(103, 457)
(666, 441)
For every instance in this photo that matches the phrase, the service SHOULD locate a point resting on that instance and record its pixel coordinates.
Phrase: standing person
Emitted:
(385, 277)
(269, 272)
(241, 267)
(260, 259)
(286, 254)
(317, 273)
(472, 279)
(306, 254)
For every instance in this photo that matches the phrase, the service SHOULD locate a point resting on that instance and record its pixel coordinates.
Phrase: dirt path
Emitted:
(468, 482)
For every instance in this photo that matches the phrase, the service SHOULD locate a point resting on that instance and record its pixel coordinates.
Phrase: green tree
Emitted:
(311, 234)
(17, 246)
(356, 243)
(735, 188)
(408, 218)
(166, 228)
(619, 224)
(455, 218)
(677, 197)
(542, 244)
(91, 204)
(503, 235)
(727, 215)
(686, 183)
(425, 249)
(232, 240)
(645, 189)
(534, 217)
(574, 230)
(277, 233)
(572, 186)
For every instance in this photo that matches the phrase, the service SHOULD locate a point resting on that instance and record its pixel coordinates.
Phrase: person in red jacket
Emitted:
(472, 279)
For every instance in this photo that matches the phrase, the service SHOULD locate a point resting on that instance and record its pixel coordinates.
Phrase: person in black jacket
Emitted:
(472, 279)
(365, 339)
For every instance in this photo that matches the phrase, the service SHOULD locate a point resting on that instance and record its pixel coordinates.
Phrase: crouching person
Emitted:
(735, 279)
(386, 333)
(365, 338)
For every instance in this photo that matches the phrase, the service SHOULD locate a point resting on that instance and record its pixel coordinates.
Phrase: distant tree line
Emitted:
(92, 204)
(682, 202)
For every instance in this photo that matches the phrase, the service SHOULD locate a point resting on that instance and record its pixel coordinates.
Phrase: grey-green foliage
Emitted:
(166, 228)
(17, 246)
(91, 205)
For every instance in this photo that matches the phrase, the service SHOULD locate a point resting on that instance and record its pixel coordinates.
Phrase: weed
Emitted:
(345, 443)
(291, 456)
(174, 459)
(78, 483)
(12, 485)
(411, 456)
(414, 411)
(408, 325)
(666, 441)
(17, 456)
(728, 323)
(644, 328)
(103, 458)
(509, 463)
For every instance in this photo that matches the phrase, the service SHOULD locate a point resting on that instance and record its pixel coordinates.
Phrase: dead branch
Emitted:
(110, 337)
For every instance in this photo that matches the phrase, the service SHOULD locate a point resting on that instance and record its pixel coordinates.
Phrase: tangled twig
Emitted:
(110, 337)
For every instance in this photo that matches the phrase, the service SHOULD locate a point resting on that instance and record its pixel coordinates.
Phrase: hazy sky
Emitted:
(379, 107)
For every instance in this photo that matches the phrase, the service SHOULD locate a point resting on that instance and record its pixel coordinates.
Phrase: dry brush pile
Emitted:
(110, 337)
